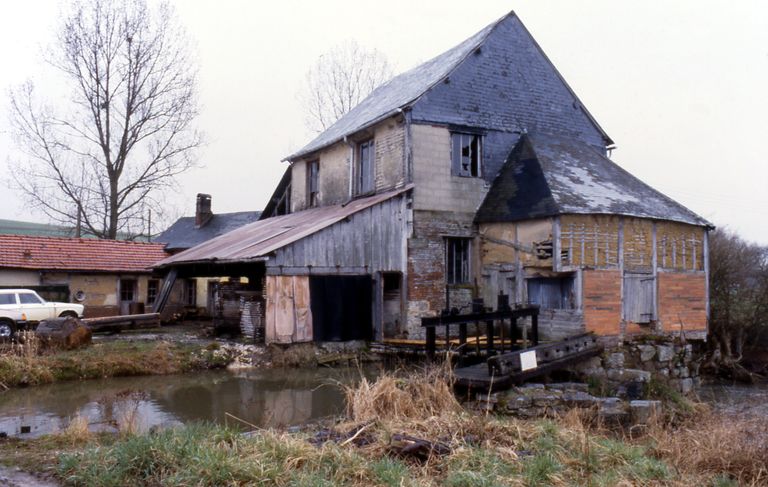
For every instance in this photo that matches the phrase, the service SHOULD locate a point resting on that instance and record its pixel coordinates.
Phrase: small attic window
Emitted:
(466, 154)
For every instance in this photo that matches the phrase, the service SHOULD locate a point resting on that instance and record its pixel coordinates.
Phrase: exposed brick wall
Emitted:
(682, 297)
(602, 301)
(426, 264)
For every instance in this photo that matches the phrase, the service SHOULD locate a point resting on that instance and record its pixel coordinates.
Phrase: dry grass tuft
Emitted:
(718, 445)
(77, 431)
(416, 396)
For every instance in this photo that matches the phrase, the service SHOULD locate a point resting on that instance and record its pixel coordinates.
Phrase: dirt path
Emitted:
(11, 477)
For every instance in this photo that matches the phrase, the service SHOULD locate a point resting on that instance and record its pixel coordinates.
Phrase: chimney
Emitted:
(203, 211)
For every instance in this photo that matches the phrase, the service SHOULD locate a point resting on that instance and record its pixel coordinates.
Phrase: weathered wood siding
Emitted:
(289, 317)
(371, 240)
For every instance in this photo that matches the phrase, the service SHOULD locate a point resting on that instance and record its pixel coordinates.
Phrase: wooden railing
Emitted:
(482, 341)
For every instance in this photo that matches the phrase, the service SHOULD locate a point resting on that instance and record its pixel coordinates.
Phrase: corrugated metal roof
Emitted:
(255, 241)
(550, 174)
(77, 254)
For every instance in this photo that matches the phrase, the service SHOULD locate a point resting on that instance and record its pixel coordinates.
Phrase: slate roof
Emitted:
(405, 89)
(255, 241)
(547, 175)
(77, 254)
(184, 235)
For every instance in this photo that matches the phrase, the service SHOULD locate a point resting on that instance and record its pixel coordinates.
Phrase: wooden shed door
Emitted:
(639, 306)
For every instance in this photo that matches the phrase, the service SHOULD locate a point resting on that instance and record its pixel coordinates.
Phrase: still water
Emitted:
(264, 398)
(737, 398)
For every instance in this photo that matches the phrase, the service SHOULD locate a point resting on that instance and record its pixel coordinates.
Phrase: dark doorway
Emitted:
(392, 304)
(341, 308)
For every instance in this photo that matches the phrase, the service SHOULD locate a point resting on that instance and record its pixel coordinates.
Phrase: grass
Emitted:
(107, 359)
(484, 450)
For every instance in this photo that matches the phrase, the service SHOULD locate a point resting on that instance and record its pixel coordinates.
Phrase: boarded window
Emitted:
(457, 259)
(639, 304)
(551, 292)
(313, 186)
(365, 167)
(466, 154)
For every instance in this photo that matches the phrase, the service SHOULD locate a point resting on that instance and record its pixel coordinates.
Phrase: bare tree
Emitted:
(340, 80)
(104, 154)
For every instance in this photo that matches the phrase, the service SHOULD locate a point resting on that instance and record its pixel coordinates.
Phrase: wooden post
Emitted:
(462, 339)
(535, 327)
(489, 342)
(431, 339)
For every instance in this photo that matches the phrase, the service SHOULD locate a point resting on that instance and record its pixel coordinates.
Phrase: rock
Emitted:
(643, 412)
(615, 360)
(579, 399)
(569, 386)
(647, 352)
(532, 386)
(546, 400)
(686, 385)
(629, 375)
(68, 333)
(612, 409)
(519, 402)
(664, 353)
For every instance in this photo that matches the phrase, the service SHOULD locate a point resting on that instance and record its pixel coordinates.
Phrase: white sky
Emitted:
(680, 86)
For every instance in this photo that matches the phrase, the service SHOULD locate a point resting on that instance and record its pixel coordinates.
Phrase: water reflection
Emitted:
(260, 397)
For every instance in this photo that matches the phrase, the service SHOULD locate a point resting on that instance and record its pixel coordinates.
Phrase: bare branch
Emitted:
(107, 153)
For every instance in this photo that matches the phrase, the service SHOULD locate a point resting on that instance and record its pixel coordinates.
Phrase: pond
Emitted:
(736, 398)
(258, 397)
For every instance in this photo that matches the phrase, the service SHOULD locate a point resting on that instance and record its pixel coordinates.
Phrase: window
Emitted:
(7, 299)
(127, 290)
(457, 258)
(313, 186)
(365, 170)
(466, 154)
(28, 298)
(551, 292)
(190, 292)
(152, 287)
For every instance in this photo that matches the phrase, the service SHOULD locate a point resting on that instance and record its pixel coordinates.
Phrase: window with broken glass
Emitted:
(365, 167)
(457, 260)
(313, 173)
(466, 154)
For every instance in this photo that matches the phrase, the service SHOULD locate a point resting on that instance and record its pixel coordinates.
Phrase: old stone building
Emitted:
(475, 174)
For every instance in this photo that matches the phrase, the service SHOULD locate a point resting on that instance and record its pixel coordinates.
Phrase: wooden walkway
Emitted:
(507, 369)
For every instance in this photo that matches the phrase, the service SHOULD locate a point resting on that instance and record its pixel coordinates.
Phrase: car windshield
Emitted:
(29, 298)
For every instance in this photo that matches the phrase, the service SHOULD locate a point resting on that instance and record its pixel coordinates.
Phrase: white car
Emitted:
(33, 308)
(10, 321)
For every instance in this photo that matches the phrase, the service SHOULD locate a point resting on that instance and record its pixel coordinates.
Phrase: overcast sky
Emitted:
(680, 86)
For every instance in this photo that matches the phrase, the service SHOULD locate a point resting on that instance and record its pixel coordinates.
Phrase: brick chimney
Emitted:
(203, 211)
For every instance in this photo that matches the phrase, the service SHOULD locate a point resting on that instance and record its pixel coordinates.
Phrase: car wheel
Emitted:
(68, 314)
(7, 329)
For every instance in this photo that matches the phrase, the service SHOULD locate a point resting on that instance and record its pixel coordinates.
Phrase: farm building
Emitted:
(475, 174)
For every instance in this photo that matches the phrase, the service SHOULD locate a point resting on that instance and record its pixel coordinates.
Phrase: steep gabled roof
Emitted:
(184, 234)
(396, 93)
(77, 254)
(547, 175)
(255, 241)
(405, 90)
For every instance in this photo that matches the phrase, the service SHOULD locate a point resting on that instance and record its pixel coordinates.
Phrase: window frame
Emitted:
(313, 182)
(365, 181)
(475, 169)
(458, 272)
(190, 292)
(152, 285)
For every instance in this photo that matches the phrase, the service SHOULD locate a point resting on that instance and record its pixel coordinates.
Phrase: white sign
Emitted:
(528, 360)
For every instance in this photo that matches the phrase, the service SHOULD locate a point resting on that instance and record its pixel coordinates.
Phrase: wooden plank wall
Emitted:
(369, 241)
(288, 314)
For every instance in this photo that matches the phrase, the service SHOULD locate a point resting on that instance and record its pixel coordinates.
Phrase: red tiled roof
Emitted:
(78, 254)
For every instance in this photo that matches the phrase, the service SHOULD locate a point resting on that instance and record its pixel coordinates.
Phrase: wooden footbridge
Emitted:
(498, 349)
